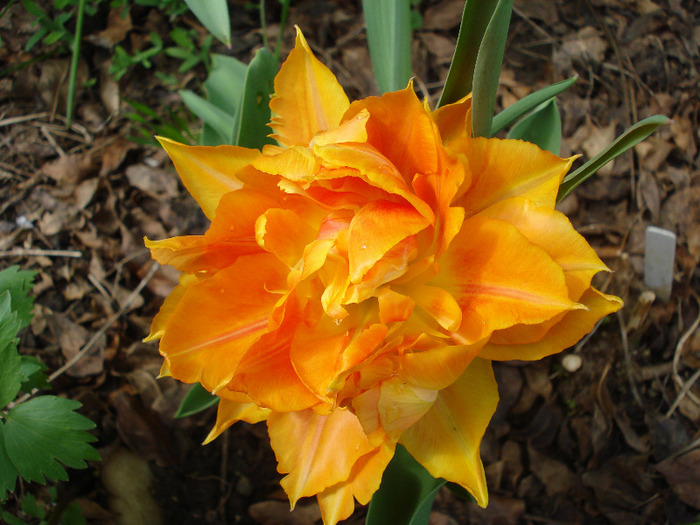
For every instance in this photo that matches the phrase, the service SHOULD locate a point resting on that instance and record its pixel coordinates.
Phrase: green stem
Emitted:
(263, 23)
(283, 23)
(74, 63)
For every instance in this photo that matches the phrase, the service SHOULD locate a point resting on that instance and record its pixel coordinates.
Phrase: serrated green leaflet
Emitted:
(487, 69)
(475, 19)
(541, 127)
(406, 494)
(196, 400)
(10, 376)
(388, 25)
(213, 14)
(627, 140)
(8, 473)
(526, 104)
(44, 432)
(251, 122)
(19, 283)
(33, 375)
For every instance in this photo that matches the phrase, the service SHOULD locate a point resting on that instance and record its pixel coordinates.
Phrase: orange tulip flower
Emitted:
(358, 279)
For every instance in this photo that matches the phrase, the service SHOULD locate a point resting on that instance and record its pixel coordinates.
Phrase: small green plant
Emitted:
(41, 435)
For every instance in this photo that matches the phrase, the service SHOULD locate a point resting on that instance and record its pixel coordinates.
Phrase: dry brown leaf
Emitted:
(277, 513)
(442, 48)
(155, 182)
(69, 169)
(500, 511)
(118, 25)
(554, 475)
(71, 338)
(443, 16)
(683, 475)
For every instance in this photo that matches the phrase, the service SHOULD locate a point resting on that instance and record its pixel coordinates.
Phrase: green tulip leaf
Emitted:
(526, 104)
(251, 130)
(388, 26)
(627, 140)
(487, 69)
(213, 14)
(406, 493)
(196, 400)
(475, 19)
(541, 127)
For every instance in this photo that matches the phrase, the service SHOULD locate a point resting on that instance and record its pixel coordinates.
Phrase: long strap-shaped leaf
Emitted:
(475, 19)
(213, 14)
(628, 139)
(388, 24)
(251, 130)
(406, 494)
(526, 104)
(487, 69)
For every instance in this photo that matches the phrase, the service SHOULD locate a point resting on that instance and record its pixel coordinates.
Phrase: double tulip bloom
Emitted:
(358, 279)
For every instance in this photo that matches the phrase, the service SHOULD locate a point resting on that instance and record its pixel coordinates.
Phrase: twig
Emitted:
(628, 360)
(85, 349)
(685, 387)
(38, 252)
(25, 118)
(88, 346)
(45, 131)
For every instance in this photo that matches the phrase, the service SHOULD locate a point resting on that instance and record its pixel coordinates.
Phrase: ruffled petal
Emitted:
(552, 231)
(401, 405)
(437, 368)
(296, 163)
(308, 98)
(230, 313)
(169, 305)
(376, 229)
(208, 172)
(403, 131)
(500, 279)
(285, 234)
(337, 501)
(454, 120)
(500, 169)
(316, 451)
(567, 332)
(446, 440)
(230, 412)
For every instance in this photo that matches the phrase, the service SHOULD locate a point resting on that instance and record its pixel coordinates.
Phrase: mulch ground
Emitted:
(609, 435)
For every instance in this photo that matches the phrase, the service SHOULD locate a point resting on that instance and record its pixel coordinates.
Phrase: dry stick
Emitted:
(685, 386)
(24, 118)
(85, 349)
(628, 360)
(37, 252)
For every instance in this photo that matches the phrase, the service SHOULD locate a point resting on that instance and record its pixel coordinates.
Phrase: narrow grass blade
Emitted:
(526, 104)
(475, 19)
(388, 25)
(541, 127)
(627, 140)
(218, 119)
(213, 14)
(487, 69)
(75, 59)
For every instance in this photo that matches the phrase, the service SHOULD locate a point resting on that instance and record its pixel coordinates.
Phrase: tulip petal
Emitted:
(401, 405)
(552, 231)
(376, 229)
(403, 131)
(353, 130)
(454, 120)
(437, 368)
(393, 306)
(208, 172)
(285, 234)
(296, 163)
(337, 501)
(372, 167)
(499, 169)
(307, 99)
(169, 305)
(317, 451)
(230, 412)
(446, 440)
(230, 314)
(439, 304)
(500, 279)
(567, 332)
